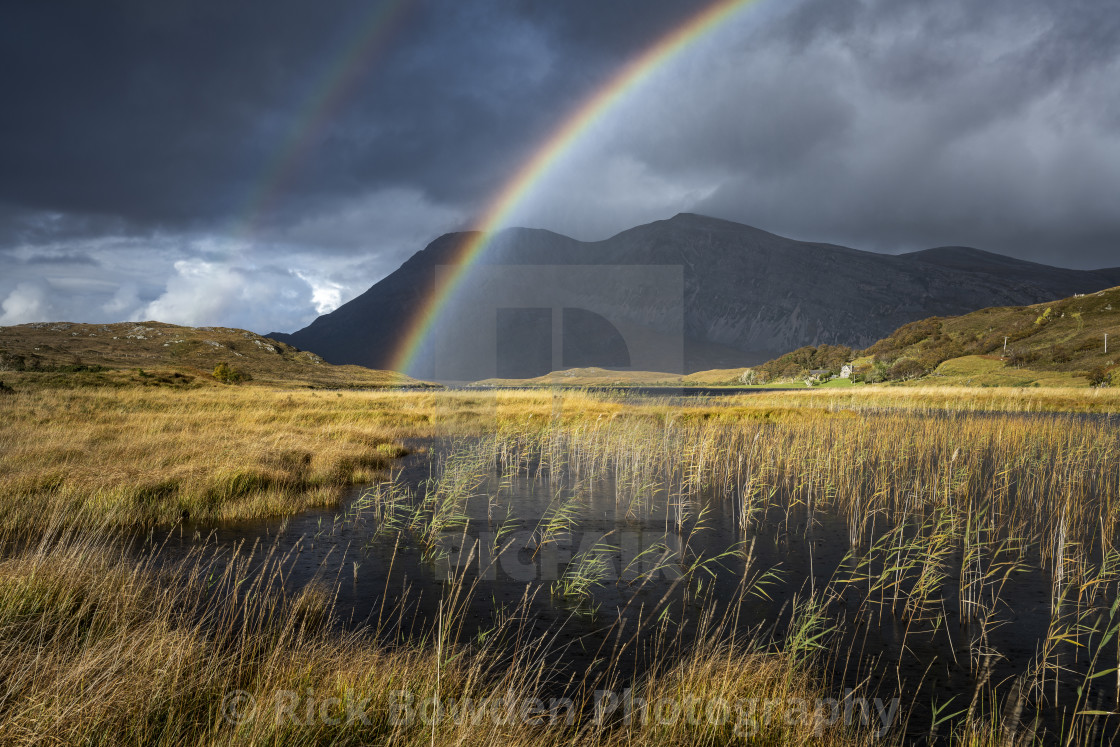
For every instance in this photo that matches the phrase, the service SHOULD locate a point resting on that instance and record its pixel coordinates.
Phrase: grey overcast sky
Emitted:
(254, 164)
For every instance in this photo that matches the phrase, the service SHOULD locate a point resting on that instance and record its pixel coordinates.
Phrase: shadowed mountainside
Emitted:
(749, 295)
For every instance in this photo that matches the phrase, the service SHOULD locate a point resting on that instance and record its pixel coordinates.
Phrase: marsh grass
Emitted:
(104, 645)
(142, 457)
(938, 399)
(155, 456)
(1050, 484)
(101, 646)
(941, 511)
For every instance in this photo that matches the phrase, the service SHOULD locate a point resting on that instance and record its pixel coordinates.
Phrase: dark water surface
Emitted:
(383, 580)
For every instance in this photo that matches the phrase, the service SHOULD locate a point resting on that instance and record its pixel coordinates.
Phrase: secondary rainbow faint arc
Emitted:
(330, 95)
(558, 143)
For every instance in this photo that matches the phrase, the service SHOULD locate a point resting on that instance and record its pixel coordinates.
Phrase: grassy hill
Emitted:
(591, 376)
(1061, 343)
(158, 354)
(1056, 344)
(598, 377)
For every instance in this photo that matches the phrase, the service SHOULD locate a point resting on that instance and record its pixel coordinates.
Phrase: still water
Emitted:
(638, 570)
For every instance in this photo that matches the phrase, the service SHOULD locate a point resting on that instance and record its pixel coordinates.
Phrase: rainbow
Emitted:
(557, 144)
(331, 92)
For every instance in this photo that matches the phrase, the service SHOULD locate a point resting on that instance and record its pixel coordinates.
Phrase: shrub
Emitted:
(12, 362)
(797, 363)
(5, 389)
(1099, 376)
(227, 374)
(1020, 357)
(1061, 354)
(15, 362)
(880, 371)
(907, 335)
(906, 368)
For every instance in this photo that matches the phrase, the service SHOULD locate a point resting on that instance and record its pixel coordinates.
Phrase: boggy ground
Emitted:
(138, 456)
(100, 645)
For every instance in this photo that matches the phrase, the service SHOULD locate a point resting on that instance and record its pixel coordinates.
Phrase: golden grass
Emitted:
(591, 376)
(141, 456)
(98, 647)
(1046, 480)
(154, 456)
(582, 377)
(939, 510)
(101, 646)
(928, 399)
(984, 371)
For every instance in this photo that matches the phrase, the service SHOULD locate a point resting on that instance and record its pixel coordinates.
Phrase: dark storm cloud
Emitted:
(154, 156)
(175, 113)
(66, 258)
(900, 125)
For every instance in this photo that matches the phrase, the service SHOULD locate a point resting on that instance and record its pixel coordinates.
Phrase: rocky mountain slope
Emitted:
(748, 295)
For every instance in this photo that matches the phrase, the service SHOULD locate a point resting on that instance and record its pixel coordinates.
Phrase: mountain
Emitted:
(159, 354)
(744, 296)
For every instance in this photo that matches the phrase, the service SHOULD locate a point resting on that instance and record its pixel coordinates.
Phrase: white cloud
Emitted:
(326, 295)
(242, 293)
(200, 293)
(267, 285)
(28, 302)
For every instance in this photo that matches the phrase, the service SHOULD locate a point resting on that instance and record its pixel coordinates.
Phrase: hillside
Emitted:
(154, 353)
(748, 295)
(605, 377)
(589, 377)
(1059, 342)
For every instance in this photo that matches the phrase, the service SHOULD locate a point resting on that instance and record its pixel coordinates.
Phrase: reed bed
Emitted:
(104, 643)
(1052, 484)
(99, 645)
(156, 456)
(945, 510)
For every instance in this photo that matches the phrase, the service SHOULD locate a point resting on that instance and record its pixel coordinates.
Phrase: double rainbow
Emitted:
(560, 141)
(334, 88)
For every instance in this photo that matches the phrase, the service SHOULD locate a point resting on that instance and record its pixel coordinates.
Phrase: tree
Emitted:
(906, 368)
(880, 371)
(12, 362)
(227, 374)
